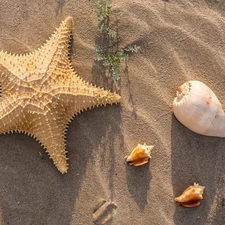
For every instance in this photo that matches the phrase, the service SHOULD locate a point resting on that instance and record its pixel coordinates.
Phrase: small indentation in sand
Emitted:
(104, 212)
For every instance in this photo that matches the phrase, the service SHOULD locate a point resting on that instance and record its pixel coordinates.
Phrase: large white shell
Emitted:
(197, 108)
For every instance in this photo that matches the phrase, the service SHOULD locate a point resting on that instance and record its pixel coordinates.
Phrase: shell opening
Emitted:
(182, 93)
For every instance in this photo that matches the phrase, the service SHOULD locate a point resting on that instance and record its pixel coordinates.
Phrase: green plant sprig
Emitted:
(111, 58)
(103, 11)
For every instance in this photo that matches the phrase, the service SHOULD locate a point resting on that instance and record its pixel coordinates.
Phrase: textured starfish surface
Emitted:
(40, 93)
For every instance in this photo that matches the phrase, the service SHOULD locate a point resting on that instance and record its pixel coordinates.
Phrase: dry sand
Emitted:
(180, 40)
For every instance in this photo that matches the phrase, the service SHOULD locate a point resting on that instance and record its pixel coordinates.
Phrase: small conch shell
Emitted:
(191, 196)
(197, 108)
(140, 155)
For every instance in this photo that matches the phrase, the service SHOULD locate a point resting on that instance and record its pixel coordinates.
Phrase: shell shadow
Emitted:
(195, 158)
(138, 182)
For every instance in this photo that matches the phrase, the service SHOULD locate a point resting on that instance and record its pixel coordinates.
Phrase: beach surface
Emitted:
(180, 40)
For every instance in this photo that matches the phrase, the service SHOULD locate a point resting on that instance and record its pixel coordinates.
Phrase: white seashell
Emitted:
(197, 108)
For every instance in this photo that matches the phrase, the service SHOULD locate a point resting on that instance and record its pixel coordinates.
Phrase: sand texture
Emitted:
(180, 40)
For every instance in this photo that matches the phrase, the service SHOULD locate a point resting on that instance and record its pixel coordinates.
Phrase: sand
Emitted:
(180, 40)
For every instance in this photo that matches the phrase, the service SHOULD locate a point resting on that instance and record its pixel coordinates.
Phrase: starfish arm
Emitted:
(46, 129)
(50, 132)
(29, 66)
(79, 96)
(54, 53)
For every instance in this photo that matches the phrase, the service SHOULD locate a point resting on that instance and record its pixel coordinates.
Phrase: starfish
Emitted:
(40, 93)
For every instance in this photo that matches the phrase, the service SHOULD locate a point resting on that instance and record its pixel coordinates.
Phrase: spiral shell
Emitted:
(197, 108)
(191, 196)
(140, 155)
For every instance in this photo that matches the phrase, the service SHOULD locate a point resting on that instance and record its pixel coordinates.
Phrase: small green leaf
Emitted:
(40, 155)
(101, 24)
(111, 33)
(124, 57)
(119, 14)
(97, 48)
(133, 48)
(116, 75)
(99, 56)
(106, 2)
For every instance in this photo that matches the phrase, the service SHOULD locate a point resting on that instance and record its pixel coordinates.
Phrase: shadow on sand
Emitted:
(195, 158)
